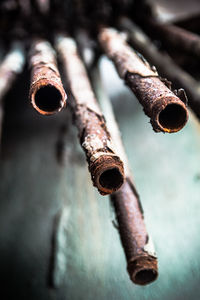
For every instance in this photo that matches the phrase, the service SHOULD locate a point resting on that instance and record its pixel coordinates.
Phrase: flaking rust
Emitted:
(105, 165)
(166, 66)
(141, 259)
(166, 111)
(142, 262)
(46, 91)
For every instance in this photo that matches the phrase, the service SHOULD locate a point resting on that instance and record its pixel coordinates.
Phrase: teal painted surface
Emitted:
(35, 189)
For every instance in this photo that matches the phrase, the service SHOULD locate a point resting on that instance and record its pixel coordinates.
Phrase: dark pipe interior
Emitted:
(145, 276)
(48, 98)
(111, 179)
(172, 117)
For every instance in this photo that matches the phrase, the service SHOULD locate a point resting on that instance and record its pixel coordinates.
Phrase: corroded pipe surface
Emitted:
(164, 63)
(166, 111)
(105, 165)
(46, 91)
(142, 263)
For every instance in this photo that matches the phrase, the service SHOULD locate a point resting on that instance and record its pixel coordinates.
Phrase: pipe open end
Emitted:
(173, 117)
(107, 174)
(143, 269)
(111, 179)
(145, 276)
(48, 100)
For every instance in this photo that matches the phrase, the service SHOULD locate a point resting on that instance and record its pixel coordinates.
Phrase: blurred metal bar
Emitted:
(177, 37)
(11, 66)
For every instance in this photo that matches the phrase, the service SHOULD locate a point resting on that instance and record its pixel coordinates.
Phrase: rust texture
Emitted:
(142, 263)
(140, 254)
(46, 91)
(178, 37)
(164, 63)
(166, 111)
(105, 165)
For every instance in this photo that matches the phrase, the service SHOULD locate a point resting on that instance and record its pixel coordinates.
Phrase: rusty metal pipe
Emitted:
(164, 63)
(105, 165)
(138, 247)
(47, 94)
(166, 111)
(141, 259)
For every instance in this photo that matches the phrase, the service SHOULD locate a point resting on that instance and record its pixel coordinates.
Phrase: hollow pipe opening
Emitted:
(145, 276)
(173, 117)
(111, 179)
(48, 99)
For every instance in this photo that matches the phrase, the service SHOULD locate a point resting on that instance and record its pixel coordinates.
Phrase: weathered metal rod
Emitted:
(166, 111)
(47, 94)
(141, 258)
(164, 63)
(105, 165)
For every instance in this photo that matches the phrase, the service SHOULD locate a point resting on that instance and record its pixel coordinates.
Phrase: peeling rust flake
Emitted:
(166, 111)
(104, 163)
(127, 205)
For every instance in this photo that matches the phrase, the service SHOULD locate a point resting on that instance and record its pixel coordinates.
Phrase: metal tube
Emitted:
(47, 94)
(164, 63)
(166, 111)
(105, 165)
(138, 247)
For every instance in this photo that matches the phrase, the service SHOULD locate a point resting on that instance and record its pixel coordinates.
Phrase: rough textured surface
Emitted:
(138, 247)
(94, 136)
(155, 97)
(164, 64)
(143, 81)
(45, 74)
(34, 188)
(134, 235)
